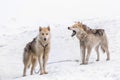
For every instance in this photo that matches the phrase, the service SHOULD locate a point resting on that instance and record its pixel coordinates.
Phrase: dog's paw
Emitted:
(85, 63)
(107, 59)
(41, 73)
(97, 59)
(81, 63)
(45, 72)
(24, 75)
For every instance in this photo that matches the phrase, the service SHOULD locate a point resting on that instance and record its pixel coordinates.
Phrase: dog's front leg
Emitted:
(83, 55)
(45, 59)
(40, 59)
(83, 49)
(88, 54)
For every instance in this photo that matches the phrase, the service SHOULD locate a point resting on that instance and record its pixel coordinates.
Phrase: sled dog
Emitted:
(88, 39)
(37, 51)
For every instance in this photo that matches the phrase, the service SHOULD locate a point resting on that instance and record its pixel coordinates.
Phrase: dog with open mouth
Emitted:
(90, 38)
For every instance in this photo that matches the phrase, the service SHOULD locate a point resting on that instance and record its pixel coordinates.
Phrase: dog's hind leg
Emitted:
(97, 51)
(24, 70)
(105, 47)
(88, 54)
(26, 62)
(33, 64)
(108, 54)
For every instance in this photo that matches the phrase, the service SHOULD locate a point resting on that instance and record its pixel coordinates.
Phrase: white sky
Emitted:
(56, 11)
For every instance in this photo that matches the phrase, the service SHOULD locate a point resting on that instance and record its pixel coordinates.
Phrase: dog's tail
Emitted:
(27, 56)
(27, 60)
(104, 43)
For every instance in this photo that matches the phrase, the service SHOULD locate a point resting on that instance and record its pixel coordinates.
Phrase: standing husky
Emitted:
(37, 50)
(90, 38)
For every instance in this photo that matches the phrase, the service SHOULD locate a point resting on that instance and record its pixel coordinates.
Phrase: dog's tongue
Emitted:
(73, 34)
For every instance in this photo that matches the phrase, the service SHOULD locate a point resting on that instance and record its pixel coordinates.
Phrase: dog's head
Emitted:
(44, 33)
(76, 28)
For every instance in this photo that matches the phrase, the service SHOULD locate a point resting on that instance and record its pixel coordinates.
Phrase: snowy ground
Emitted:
(62, 64)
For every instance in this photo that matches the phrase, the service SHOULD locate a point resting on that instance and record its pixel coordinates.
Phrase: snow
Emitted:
(20, 21)
(64, 59)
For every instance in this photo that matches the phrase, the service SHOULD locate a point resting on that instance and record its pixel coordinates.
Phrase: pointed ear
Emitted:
(81, 22)
(40, 28)
(48, 28)
(75, 21)
(78, 22)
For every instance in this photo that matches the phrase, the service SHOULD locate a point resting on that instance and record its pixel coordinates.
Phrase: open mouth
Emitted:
(74, 33)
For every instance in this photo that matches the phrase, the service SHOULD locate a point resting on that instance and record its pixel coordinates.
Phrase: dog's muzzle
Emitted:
(45, 39)
(74, 33)
(68, 28)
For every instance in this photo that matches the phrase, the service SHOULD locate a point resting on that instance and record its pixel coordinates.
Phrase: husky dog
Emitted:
(90, 38)
(37, 50)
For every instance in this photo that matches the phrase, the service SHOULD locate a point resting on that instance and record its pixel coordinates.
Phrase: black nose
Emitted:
(44, 39)
(68, 27)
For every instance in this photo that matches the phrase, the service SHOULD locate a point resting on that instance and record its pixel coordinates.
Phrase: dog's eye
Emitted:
(46, 33)
(42, 33)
